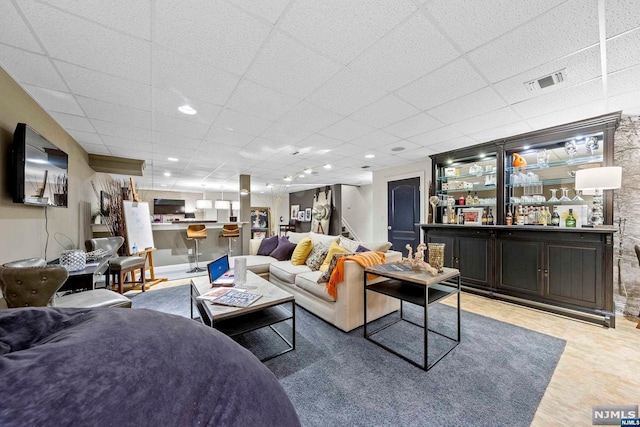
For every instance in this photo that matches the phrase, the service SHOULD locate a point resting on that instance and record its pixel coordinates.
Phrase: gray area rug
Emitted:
(495, 377)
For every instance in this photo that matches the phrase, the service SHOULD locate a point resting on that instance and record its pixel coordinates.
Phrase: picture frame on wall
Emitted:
(294, 211)
(301, 216)
(307, 214)
(260, 218)
(258, 234)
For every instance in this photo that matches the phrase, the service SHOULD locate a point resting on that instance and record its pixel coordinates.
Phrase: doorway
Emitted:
(404, 213)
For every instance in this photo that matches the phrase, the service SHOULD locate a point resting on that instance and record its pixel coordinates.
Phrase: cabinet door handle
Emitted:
(546, 273)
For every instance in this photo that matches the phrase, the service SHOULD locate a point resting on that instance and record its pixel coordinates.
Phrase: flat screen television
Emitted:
(168, 206)
(39, 169)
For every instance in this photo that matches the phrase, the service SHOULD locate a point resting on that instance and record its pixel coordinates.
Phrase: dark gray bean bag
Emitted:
(116, 367)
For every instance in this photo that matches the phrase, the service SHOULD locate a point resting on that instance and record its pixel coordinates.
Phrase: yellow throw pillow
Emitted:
(334, 248)
(302, 251)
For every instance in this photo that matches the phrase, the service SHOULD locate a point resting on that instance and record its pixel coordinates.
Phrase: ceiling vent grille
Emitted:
(552, 79)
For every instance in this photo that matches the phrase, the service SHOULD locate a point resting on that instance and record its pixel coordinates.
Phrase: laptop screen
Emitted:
(218, 267)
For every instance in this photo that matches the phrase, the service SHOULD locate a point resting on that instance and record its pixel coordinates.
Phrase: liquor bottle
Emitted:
(548, 214)
(445, 216)
(490, 218)
(460, 217)
(555, 218)
(484, 217)
(461, 200)
(452, 216)
(476, 199)
(520, 216)
(509, 219)
(571, 220)
(469, 200)
(542, 219)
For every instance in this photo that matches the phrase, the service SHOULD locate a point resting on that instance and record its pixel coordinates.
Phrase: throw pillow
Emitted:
(284, 250)
(325, 239)
(361, 248)
(301, 252)
(334, 248)
(324, 277)
(316, 257)
(348, 244)
(296, 237)
(268, 245)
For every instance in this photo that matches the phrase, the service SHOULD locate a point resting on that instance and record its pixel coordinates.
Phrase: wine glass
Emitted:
(434, 200)
(553, 195)
(570, 148)
(565, 195)
(578, 196)
(591, 144)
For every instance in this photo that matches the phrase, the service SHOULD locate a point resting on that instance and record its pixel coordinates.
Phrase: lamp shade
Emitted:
(203, 204)
(235, 205)
(223, 204)
(605, 178)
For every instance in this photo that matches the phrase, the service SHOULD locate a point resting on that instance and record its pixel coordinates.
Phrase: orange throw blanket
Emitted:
(365, 259)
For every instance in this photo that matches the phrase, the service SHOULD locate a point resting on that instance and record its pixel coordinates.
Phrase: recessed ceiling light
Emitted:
(526, 147)
(187, 109)
(482, 155)
(269, 185)
(307, 170)
(231, 129)
(163, 185)
(369, 156)
(397, 149)
(167, 174)
(288, 178)
(327, 166)
(301, 175)
(172, 159)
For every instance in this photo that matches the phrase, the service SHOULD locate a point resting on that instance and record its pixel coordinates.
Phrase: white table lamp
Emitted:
(598, 179)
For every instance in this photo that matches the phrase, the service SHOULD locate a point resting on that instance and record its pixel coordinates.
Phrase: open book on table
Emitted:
(231, 297)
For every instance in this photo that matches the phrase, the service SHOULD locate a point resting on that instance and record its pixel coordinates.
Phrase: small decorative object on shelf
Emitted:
(436, 256)
(417, 262)
(519, 161)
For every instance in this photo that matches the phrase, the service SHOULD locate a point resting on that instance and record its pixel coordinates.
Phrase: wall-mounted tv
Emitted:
(40, 170)
(168, 206)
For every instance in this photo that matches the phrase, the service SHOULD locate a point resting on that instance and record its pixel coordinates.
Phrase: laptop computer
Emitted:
(219, 273)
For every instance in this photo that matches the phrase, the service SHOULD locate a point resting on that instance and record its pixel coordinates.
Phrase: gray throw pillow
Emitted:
(284, 250)
(268, 245)
(324, 278)
(317, 256)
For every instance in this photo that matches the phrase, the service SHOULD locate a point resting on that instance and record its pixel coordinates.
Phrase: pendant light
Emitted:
(223, 204)
(203, 203)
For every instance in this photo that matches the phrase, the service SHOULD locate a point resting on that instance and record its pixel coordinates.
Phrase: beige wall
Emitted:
(23, 227)
(357, 212)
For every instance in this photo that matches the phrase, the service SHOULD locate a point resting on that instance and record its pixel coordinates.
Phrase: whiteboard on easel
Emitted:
(137, 225)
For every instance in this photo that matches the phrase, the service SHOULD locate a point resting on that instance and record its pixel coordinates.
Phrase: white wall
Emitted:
(357, 212)
(278, 210)
(421, 169)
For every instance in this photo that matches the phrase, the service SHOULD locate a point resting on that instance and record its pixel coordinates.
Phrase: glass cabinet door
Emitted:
(465, 191)
(540, 180)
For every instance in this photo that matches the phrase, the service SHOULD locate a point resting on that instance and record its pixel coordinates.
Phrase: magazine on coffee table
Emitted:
(236, 298)
(213, 294)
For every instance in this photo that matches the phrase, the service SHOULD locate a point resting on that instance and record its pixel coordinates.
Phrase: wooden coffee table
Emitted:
(270, 309)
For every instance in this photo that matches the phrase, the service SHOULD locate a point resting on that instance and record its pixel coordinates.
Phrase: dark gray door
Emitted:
(404, 213)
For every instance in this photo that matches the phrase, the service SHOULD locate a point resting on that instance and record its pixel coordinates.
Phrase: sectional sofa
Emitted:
(346, 312)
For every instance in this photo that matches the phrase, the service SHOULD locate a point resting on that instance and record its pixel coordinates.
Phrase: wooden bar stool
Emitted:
(120, 266)
(196, 232)
(230, 231)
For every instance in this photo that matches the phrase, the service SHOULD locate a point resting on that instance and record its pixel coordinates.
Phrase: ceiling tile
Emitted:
(345, 93)
(580, 67)
(131, 17)
(442, 85)
(241, 122)
(453, 144)
(559, 32)
(623, 52)
(166, 146)
(53, 100)
(629, 103)
(212, 31)
(384, 112)
(347, 130)
(474, 104)
(179, 141)
(109, 112)
(343, 29)
(129, 153)
(416, 154)
(289, 67)
(176, 126)
(308, 116)
(492, 119)
(560, 100)
(95, 148)
(441, 134)
(30, 68)
(116, 90)
(15, 31)
(112, 142)
(624, 81)
(282, 132)
(399, 147)
(70, 122)
(420, 123)
(488, 19)
(567, 115)
(269, 10)
(70, 38)
(86, 138)
(321, 142)
(190, 78)
(230, 137)
(260, 101)
(416, 44)
(621, 16)
(167, 103)
(122, 131)
(375, 139)
(503, 131)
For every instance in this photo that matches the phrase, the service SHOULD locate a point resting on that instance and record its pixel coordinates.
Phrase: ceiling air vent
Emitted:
(547, 81)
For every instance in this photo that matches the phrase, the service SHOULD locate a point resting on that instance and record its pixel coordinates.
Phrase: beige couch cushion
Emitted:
(352, 245)
(286, 272)
(325, 239)
(309, 282)
(296, 237)
(259, 264)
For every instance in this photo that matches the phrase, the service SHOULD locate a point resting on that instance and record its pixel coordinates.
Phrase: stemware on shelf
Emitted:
(553, 198)
(565, 195)
(570, 148)
(434, 200)
(578, 196)
(591, 144)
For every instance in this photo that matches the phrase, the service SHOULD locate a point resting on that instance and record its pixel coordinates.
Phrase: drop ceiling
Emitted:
(284, 85)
